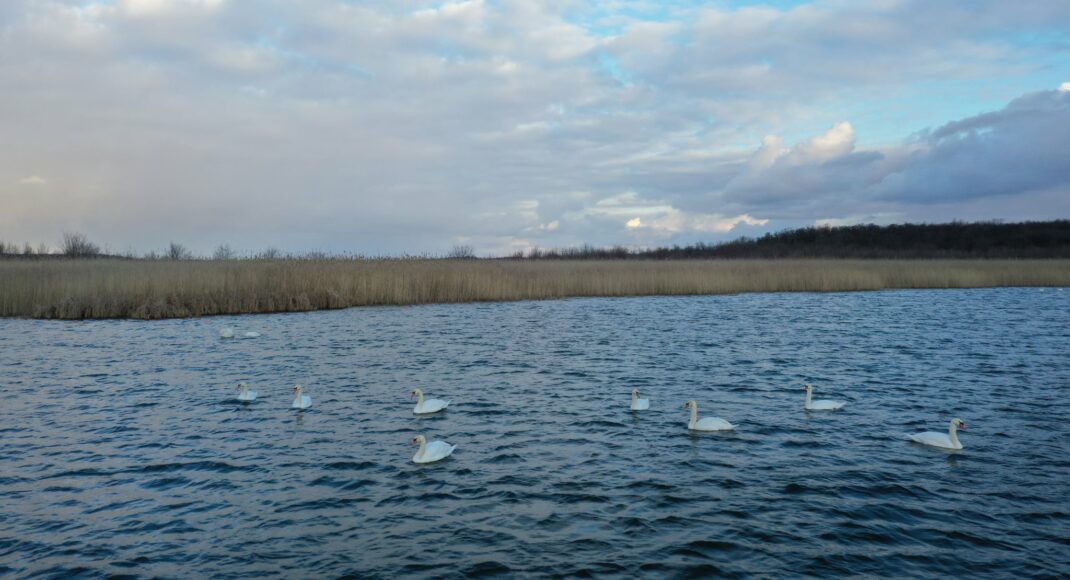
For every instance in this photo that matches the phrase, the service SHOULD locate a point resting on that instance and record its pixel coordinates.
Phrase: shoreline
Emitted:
(151, 290)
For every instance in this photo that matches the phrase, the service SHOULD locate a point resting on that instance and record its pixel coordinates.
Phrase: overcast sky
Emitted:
(397, 126)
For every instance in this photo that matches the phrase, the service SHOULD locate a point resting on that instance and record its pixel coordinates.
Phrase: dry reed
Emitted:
(81, 289)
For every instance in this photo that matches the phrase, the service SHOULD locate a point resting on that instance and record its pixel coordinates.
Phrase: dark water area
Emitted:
(123, 449)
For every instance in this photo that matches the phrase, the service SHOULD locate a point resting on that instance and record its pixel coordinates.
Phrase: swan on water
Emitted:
(820, 404)
(431, 452)
(637, 403)
(301, 400)
(226, 332)
(424, 407)
(706, 423)
(244, 394)
(250, 334)
(948, 441)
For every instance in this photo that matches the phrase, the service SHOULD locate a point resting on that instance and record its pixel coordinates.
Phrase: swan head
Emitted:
(416, 393)
(959, 424)
(419, 440)
(689, 405)
(808, 387)
(635, 392)
(298, 389)
(242, 386)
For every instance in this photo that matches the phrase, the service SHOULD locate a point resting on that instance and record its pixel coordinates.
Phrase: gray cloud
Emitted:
(410, 126)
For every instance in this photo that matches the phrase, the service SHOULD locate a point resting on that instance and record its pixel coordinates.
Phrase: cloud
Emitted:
(33, 180)
(1018, 150)
(1021, 148)
(404, 127)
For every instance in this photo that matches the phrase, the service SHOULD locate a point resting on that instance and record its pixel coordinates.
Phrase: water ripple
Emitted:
(124, 451)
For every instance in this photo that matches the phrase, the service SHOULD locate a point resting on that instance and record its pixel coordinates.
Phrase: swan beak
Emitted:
(963, 427)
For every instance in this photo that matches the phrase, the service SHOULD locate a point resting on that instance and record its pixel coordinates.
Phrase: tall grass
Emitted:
(79, 289)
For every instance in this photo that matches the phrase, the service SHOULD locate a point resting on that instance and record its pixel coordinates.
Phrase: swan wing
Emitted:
(435, 451)
(826, 405)
(932, 438)
(641, 405)
(713, 424)
(431, 406)
(303, 402)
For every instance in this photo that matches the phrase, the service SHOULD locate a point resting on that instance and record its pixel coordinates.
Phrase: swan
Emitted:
(250, 334)
(431, 452)
(821, 404)
(424, 407)
(301, 400)
(949, 441)
(637, 403)
(245, 394)
(706, 423)
(226, 332)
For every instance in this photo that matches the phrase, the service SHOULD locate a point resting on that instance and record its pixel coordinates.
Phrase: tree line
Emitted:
(963, 240)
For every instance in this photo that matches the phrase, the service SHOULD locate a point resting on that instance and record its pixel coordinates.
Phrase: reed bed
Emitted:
(142, 289)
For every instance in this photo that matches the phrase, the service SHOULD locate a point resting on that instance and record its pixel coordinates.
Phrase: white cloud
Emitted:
(33, 180)
(406, 126)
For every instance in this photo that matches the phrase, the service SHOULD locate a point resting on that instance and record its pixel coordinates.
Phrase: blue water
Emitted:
(124, 452)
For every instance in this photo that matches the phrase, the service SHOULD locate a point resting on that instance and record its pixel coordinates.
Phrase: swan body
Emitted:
(637, 403)
(301, 400)
(944, 441)
(706, 423)
(250, 334)
(226, 332)
(431, 452)
(820, 404)
(244, 394)
(425, 406)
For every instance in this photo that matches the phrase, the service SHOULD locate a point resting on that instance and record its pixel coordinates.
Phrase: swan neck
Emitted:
(420, 403)
(694, 416)
(953, 435)
(423, 448)
(809, 396)
(635, 396)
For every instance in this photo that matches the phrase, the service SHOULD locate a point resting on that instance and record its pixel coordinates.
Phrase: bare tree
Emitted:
(270, 254)
(223, 252)
(462, 252)
(77, 245)
(27, 249)
(43, 249)
(177, 251)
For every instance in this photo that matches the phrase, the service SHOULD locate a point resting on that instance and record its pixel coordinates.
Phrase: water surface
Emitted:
(124, 451)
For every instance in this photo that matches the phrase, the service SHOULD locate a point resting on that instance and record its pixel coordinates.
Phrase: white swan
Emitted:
(244, 394)
(250, 334)
(431, 452)
(424, 407)
(226, 332)
(949, 441)
(821, 404)
(301, 400)
(706, 423)
(637, 403)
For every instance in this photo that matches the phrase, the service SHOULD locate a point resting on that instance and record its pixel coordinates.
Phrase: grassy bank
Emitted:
(79, 289)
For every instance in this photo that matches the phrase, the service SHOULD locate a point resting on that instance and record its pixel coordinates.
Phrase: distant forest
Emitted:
(956, 240)
(1049, 239)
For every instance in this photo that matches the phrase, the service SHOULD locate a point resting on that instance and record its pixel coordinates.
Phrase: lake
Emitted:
(125, 452)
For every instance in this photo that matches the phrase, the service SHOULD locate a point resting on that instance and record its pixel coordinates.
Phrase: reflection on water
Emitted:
(125, 451)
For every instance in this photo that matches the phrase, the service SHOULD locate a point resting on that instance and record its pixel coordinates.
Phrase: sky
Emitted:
(411, 127)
